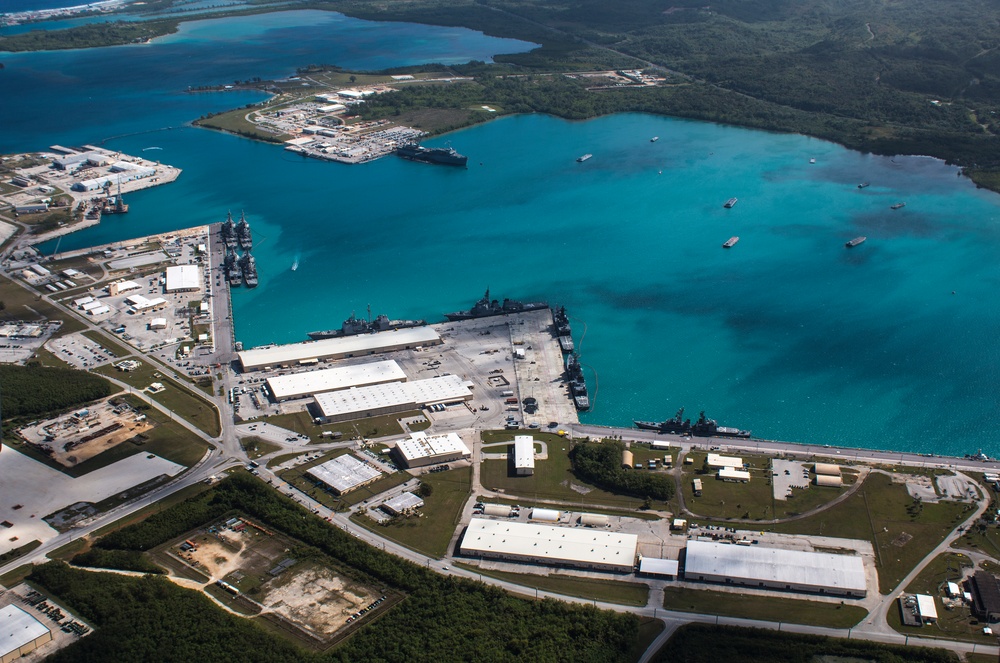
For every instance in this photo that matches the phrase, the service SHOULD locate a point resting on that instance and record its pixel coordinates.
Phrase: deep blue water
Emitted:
(887, 345)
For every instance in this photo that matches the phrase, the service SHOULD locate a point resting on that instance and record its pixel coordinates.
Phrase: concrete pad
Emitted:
(41, 490)
(787, 474)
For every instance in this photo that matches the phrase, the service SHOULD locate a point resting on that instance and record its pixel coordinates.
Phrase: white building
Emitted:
(926, 609)
(524, 455)
(775, 568)
(421, 449)
(733, 475)
(390, 398)
(344, 473)
(121, 287)
(158, 323)
(545, 515)
(402, 504)
(594, 520)
(20, 633)
(338, 348)
(653, 566)
(183, 278)
(546, 544)
(297, 385)
(100, 310)
(715, 461)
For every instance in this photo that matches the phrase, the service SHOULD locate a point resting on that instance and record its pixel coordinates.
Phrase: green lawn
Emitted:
(175, 397)
(955, 623)
(430, 531)
(593, 589)
(768, 608)
(553, 478)
(21, 304)
(278, 460)
(20, 551)
(256, 447)
(302, 423)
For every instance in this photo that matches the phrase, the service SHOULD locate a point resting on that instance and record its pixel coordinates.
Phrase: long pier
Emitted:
(777, 447)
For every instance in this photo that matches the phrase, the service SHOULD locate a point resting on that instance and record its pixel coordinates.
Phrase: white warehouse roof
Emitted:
(444, 389)
(545, 515)
(926, 607)
(183, 277)
(547, 543)
(332, 379)
(732, 473)
(404, 502)
(524, 452)
(715, 460)
(361, 344)
(655, 566)
(775, 565)
(344, 473)
(421, 445)
(18, 628)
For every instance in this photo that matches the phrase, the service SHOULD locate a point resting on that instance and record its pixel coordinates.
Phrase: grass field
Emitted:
(234, 121)
(954, 623)
(21, 304)
(255, 447)
(593, 589)
(302, 423)
(431, 531)
(769, 608)
(20, 551)
(176, 397)
(278, 460)
(553, 478)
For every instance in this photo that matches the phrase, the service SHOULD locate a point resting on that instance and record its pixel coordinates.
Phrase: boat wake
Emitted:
(295, 263)
(151, 148)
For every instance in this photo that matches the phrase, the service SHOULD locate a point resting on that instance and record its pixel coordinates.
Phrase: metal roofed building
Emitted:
(715, 461)
(344, 473)
(401, 504)
(391, 397)
(182, 278)
(828, 469)
(985, 596)
(421, 449)
(297, 385)
(658, 567)
(733, 475)
(20, 633)
(546, 544)
(926, 608)
(829, 480)
(775, 568)
(545, 515)
(524, 455)
(338, 348)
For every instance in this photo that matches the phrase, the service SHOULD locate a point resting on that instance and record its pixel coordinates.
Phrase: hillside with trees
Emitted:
(600, 463)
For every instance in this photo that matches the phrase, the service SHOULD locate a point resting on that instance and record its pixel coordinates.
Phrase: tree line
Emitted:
(35, 390)
(600, 463)
(442, 618)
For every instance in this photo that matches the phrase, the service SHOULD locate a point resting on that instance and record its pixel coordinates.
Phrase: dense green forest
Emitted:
(88, 36)
(702, 643)
(600, 463)
(34, 390)
(440, 617)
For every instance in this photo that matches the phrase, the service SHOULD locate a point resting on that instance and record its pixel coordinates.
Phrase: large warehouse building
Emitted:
(285, 387)
(20, 633)
(390, 398)
(422, 450)
(308, 352)
(344, 473)
(775, 568)
(183, 278)
(546, 544)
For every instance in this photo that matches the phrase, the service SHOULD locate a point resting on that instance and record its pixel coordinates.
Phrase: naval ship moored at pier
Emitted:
(354, 326)
(487, 307)
(704, 427)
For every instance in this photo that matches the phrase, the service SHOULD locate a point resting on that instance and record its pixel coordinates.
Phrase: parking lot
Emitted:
(79, 351)
(786, 475)
(20, 340)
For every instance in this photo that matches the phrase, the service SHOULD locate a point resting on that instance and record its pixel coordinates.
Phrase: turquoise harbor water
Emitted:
(788, 333)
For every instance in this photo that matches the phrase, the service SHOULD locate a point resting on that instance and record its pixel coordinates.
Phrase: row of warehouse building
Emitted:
(706, 561)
